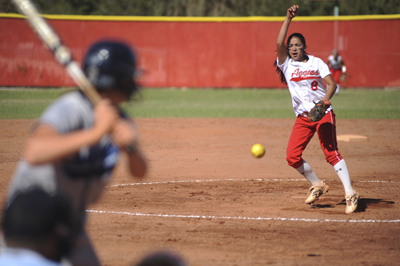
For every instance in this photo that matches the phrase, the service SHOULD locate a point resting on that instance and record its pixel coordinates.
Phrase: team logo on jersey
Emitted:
(298, 75)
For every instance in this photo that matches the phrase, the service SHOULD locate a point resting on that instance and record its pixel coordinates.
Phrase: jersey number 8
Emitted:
(314, 85)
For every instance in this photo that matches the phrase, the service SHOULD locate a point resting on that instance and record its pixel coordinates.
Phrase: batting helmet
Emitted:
(111, 65)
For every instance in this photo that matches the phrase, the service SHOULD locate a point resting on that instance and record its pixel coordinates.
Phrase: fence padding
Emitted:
(204, 54)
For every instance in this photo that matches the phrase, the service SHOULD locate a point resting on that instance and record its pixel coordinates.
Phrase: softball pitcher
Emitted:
(304, 74)
(74, 146)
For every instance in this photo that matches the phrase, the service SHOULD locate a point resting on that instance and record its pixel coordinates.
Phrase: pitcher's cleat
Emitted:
(316, 192)
(352, 202)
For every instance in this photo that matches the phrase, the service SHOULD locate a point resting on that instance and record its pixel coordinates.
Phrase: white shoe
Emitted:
(316, 192)
(352, 202)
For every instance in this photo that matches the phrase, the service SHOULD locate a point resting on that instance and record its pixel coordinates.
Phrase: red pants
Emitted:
(302, 132)
(336, 73)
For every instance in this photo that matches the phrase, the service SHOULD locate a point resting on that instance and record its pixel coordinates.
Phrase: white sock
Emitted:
(337, 89)
(343, 173)
(306, 171)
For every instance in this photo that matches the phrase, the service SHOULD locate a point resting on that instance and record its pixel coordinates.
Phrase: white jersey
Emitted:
(305, 82)
(335, 64)
(24, 257)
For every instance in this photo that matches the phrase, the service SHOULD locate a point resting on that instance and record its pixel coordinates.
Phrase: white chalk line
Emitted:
(222, 180)
(242, 218)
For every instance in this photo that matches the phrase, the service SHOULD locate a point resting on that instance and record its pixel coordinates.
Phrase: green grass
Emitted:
(211, 103)
(376, 104)
(26, 103)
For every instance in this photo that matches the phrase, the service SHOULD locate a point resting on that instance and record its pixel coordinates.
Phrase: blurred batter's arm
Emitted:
(46, 144)
(125, 134)
(137, 163)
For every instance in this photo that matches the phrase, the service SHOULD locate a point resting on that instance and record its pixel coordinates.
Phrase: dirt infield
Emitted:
(209, 200)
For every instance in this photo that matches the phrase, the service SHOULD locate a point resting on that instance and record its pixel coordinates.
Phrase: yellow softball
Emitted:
(258, 150)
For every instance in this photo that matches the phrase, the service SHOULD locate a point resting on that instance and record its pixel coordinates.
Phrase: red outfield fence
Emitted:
(205, 52)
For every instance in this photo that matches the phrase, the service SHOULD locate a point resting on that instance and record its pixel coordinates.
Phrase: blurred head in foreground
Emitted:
(162, 259)
(40, 222)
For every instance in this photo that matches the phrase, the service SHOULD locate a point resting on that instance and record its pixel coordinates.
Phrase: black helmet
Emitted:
(111, 65)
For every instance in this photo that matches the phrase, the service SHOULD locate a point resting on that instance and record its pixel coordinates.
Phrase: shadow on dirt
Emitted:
(322, 206)
(364, 203)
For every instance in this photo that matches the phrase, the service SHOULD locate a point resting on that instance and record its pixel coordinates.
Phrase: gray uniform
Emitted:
(81, 177)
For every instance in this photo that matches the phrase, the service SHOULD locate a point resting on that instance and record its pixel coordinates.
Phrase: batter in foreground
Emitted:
(74, 146)
(304, 75)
